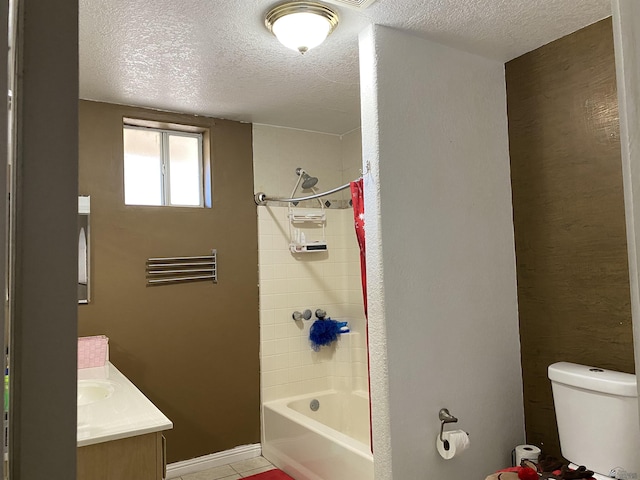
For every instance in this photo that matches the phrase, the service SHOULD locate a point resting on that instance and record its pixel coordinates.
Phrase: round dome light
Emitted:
(301, 26)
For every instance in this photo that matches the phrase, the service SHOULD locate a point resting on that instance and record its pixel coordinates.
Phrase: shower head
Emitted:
(307, 180)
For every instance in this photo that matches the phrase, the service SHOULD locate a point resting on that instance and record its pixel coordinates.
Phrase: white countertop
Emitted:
(126, 413)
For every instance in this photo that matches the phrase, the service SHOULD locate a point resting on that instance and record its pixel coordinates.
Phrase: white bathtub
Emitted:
(331, 443)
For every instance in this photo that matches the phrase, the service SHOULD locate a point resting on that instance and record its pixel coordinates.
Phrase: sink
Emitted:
(91, 391)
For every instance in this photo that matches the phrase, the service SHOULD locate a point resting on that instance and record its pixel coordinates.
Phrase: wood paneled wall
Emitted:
(193, 348)
(568, 208)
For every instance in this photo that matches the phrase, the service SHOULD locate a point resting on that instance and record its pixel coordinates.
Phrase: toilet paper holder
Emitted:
(445, 417)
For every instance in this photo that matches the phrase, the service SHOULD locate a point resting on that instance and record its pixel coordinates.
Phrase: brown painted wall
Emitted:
(573, 280)
(193, 349)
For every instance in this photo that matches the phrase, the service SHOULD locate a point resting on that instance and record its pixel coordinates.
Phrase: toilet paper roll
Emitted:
(458, 443)
(526, 452)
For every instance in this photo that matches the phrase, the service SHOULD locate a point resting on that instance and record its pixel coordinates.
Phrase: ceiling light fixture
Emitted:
(301, 26)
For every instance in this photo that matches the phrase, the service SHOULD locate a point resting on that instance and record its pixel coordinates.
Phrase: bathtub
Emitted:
(331, 443)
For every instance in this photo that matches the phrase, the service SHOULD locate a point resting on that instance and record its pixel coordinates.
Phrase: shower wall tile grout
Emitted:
(330, 281)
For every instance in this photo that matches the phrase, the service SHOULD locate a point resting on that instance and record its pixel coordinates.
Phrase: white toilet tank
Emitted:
(597, 415)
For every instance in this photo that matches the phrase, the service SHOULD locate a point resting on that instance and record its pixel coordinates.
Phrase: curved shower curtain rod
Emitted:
(261, 197)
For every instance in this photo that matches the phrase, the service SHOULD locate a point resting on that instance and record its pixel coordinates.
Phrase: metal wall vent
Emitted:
(356, 4)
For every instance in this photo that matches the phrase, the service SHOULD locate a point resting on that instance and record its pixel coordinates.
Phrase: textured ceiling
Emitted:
(216, 58)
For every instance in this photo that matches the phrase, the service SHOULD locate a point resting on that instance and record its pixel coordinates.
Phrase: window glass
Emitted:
(185, 170)
(143, 182)
(163, 167)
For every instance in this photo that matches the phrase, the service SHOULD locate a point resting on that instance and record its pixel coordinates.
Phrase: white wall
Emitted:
(626, 18)
(351, 157)
(440, 256)
(278, 151)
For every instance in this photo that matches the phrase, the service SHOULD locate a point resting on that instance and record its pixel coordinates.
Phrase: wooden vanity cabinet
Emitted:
(134, 458)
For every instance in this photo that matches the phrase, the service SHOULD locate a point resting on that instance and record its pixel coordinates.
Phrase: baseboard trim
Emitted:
(237, 454)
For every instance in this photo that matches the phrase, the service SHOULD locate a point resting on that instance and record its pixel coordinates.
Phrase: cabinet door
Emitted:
(134, 458)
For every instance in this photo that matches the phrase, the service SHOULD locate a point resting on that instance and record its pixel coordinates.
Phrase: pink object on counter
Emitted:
(92, 351)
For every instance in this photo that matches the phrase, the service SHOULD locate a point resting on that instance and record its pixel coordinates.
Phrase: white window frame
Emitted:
(165, 167)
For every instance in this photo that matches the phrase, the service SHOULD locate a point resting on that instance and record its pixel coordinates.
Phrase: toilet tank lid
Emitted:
(594, 378)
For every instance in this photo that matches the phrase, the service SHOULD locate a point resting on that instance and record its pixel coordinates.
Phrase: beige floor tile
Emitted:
(257, 470)
(250, 464)
(218, 473)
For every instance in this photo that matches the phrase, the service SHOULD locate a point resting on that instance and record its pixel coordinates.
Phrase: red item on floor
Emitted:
(519, 469)
(528, 474)
(270, 475)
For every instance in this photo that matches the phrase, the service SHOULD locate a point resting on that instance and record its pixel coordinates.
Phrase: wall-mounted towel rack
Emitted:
(165, 270)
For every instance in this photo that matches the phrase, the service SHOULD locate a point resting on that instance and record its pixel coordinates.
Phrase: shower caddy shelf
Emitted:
(297, 238)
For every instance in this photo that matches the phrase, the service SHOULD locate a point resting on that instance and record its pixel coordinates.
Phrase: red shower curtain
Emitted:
(357, 199)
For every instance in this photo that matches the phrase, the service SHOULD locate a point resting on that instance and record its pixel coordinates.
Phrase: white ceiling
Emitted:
(216, 58)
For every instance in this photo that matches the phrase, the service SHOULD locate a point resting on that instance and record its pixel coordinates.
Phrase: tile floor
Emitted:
(233, 471)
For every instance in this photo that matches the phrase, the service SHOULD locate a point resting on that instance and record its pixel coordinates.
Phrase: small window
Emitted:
(163, 167)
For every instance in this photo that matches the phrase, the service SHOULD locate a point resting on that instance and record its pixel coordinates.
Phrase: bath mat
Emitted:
(270, 475)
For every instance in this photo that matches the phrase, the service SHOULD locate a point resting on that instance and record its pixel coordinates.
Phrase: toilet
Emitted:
(597, 416)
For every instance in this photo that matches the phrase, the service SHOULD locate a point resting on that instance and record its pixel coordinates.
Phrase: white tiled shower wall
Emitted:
(327, 280)
(288, 282)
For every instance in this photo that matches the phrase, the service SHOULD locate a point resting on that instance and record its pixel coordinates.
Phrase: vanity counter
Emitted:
(121, 413)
